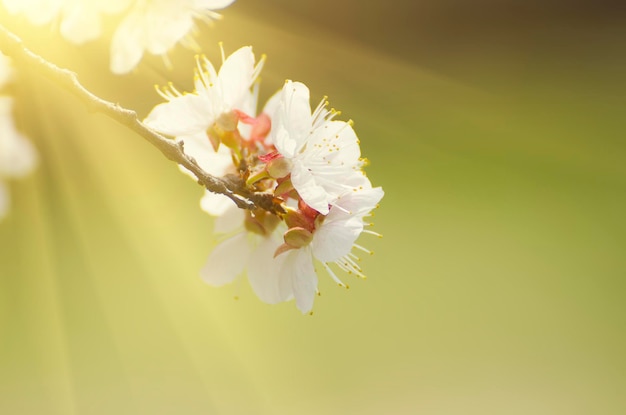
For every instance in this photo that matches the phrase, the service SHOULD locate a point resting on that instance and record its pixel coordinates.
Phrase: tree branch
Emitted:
(244, 198)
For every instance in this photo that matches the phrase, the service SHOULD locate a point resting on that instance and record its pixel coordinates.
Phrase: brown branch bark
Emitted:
(244, 198)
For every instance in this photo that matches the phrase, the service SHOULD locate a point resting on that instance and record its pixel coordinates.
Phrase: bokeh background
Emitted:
(497, 131)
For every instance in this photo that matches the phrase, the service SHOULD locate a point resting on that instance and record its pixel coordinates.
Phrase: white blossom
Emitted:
(308, 161)
(324, 153)
(333, 241)
(217, 100)
(213, 103)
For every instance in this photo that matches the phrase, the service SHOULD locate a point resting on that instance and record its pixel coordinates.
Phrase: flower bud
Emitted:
(253, 225)
(282, 249)
(228, 121)
(279, 167)
(283, 187)
(295, 219)
(298, 237)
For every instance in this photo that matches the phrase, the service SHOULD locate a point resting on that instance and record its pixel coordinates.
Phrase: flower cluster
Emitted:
(17, 155)
(153, 26)
(309, 161)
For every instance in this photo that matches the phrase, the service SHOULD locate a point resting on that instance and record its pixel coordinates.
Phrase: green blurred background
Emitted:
(497, 131)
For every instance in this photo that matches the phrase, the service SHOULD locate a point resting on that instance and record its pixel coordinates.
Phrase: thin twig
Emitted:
(12, 46)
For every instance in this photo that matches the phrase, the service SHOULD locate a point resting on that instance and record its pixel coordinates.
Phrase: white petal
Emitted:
(264, 272)
(285, 145)
(127, 45)
(334, 239)
(183, 115)
(294, 116)
(165, 24)
(227, 260)
(217, 163)
(39, 12)
(342, 135)
(228, 216)
(17, 155)
(312, 193)
(5, 200)
(230, 220)
(344, 223)
(298, 268)
(236, 77)
(272, 104)
(215, 204)
(6, 70)
(81, 24)
(359, 202)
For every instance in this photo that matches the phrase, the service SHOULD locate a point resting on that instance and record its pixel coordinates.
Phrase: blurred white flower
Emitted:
(155, 26)
(324, 154)
(6, 71)
(152, 26)
(38, 12)
(17, 154)
(80, 20)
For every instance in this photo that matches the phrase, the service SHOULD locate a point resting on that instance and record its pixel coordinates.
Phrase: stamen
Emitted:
(319, 109)
(259, 66)
(372, 233)
(167, 62)
(344, 210)
(353, 264)
(353, 256)
(222, 50)
(207, 16)
(346, 267)
(333, 276)
(363, 249)
(162, 93)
